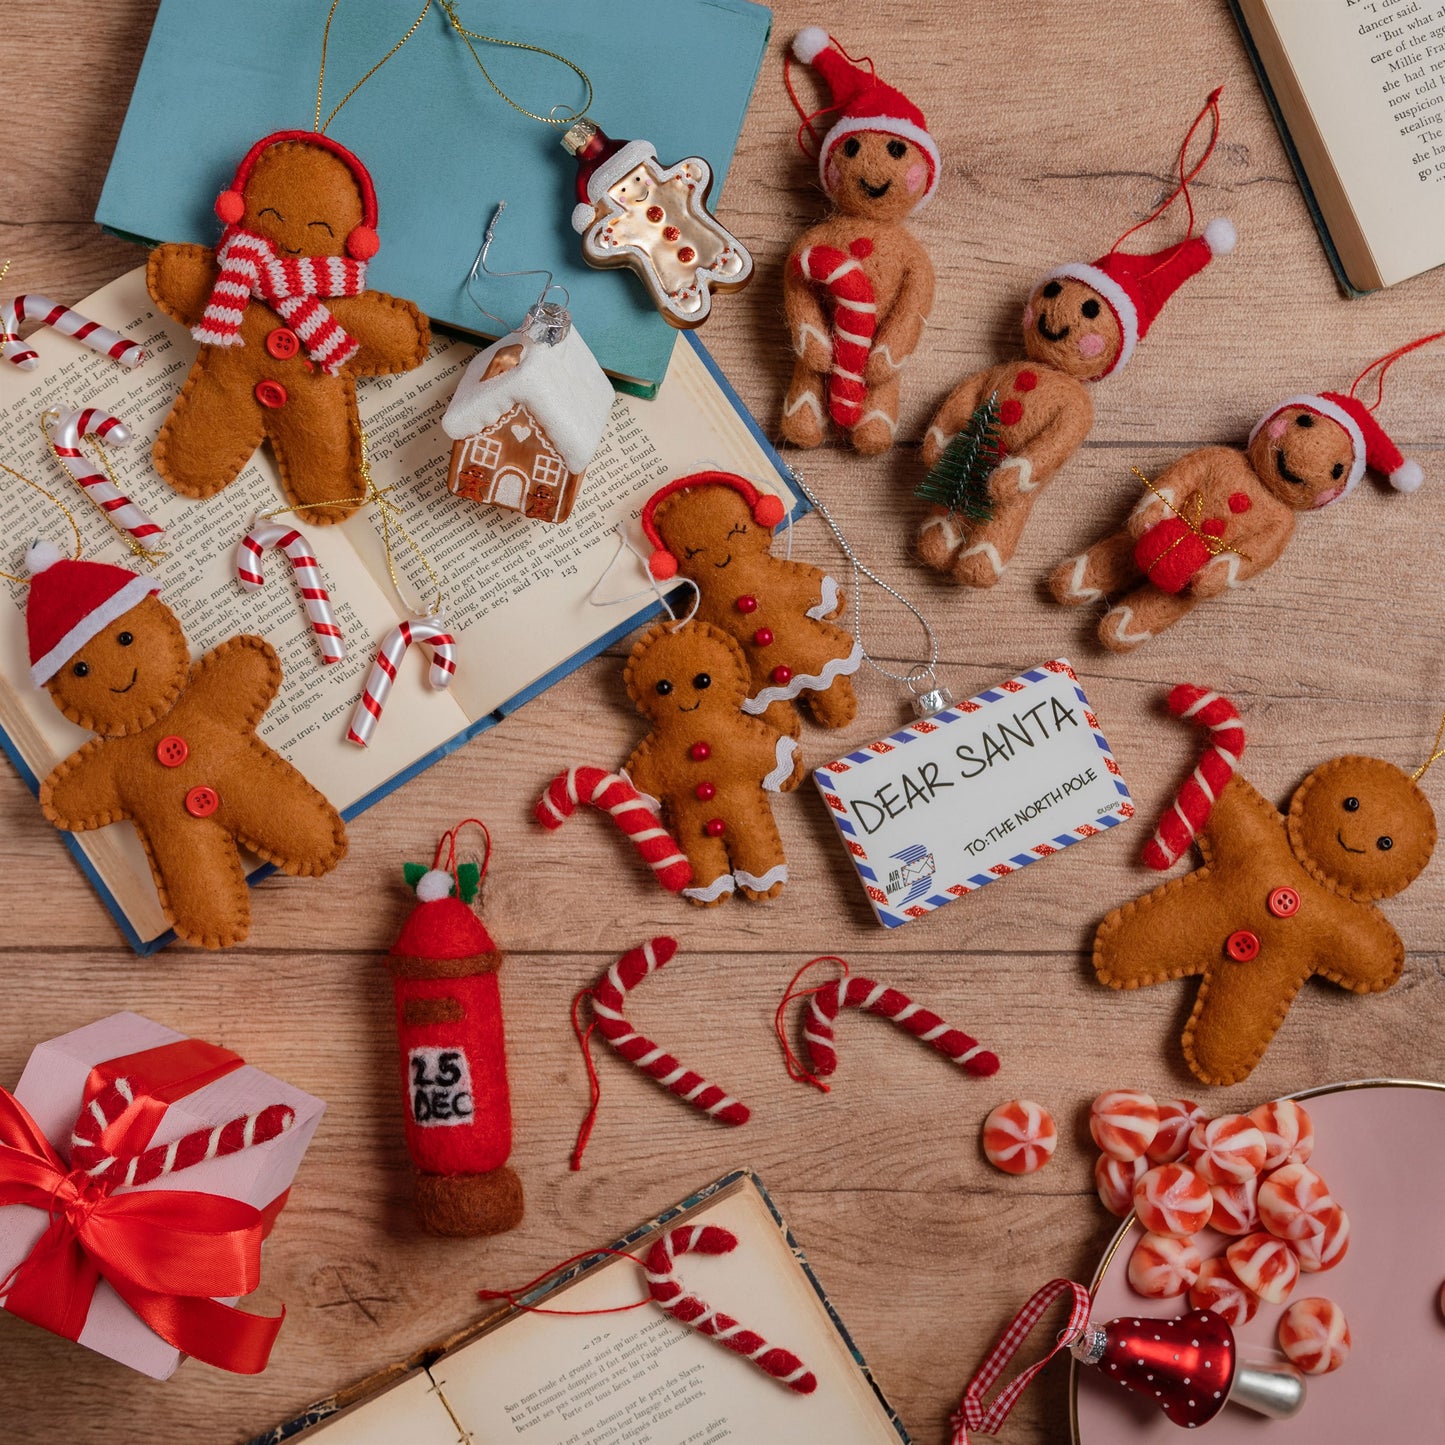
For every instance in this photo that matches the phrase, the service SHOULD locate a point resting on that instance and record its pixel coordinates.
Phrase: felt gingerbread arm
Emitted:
(1156, 938)
(771, 752)
(641, 769)
(953, 415)
(1362, 952)
(83, 792)
(808, 329)
(1178, 482)
(393, 333)
(179, 279)
(236, 682)
(1044, 453)
(1242, 824)
(1259, 551)
(901, 331)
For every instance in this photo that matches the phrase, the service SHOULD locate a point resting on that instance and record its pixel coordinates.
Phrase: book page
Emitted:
(644, 1379)
(407, 1414)
(1372, 77)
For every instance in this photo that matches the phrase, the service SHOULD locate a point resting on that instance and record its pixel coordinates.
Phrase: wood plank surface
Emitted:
(1055, 135)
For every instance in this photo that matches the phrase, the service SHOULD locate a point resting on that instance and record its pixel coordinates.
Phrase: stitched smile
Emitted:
(1050, 335)
(725, 561)
(877, 192)
(1289, 476)
(693, 708)
(135, 672)
(1340, 839)
(292, 250)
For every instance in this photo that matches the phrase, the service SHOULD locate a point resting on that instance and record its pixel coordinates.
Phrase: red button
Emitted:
(172, 751)
(271, 394)
(1011, 411)
(1283, 903)
(283, 343)
(714, 827)
(763, 637)
(1239, 502)
(782, 675)
(746, 603)
(706, 792)
(1242, 946)
(202, 802)
(1026, 381)
(699, 752)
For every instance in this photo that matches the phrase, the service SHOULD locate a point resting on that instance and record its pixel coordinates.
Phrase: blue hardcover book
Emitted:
(442, 147)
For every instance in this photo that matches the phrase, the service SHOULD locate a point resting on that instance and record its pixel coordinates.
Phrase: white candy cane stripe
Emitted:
(86, 1150)
(314, 596)
(65, 438)
(429, 630)
(67, 323)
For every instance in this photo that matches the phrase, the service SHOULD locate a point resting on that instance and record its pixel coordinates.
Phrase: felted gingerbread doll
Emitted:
(709, 764)
(716, 529)
(1280, 897)
(286, 325)
(1082, 323)
(857, 288)
(1220, 516)
(177, 754)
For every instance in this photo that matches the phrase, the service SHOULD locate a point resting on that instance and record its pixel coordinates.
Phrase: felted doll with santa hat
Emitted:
(858, 287)
(1016, 425)
(1222, 515)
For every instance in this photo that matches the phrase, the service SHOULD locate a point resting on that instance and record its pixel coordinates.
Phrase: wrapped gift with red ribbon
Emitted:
(140, 1172)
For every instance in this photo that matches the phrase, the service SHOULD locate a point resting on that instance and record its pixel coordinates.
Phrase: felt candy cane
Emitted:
(846, 282)
(88, 1152)
(660, 1271)
(68, 323)
(314, 596)
(65, 429)
(429, 630)
(614, 794)
(889, 1003)
(1191, 809)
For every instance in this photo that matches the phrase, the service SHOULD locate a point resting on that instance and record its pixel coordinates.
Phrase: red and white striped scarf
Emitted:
(290, 286)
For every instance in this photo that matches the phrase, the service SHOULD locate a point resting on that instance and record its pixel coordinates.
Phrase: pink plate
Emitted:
(1390, 1295)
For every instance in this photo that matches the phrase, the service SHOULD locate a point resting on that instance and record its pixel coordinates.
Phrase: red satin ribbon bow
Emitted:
(166, 1253)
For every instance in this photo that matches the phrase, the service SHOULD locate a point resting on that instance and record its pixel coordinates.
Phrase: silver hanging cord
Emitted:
(547, 321)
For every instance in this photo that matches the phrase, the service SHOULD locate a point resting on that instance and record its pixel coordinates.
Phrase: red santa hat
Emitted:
(1371, 444)
(1135, 287)
(866, 103)
(72, 602)
(362, 242)
(601, 163)
(442, 925)
(767, 511)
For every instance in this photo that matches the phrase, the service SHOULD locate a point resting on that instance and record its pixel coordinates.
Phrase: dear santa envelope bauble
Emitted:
(974, 792)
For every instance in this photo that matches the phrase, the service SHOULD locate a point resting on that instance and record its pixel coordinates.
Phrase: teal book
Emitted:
(442, 146)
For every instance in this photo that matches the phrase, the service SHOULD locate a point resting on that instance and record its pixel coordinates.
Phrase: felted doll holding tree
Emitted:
(1005, 432)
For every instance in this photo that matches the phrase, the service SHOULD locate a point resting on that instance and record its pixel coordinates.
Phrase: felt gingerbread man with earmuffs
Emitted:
(286, 325)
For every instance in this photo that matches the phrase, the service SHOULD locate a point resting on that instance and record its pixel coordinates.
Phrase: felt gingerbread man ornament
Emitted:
(710, 765)
(716, 529)
(1280, 897)
(177, 753)
(858, 287)
(1220, 516)
(1019, 423)
(286, 325)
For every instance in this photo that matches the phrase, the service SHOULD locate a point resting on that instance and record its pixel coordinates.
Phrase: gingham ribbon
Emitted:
(971, 1413)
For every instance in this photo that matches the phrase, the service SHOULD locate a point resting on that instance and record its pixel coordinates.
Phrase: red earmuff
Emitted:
(767, 511)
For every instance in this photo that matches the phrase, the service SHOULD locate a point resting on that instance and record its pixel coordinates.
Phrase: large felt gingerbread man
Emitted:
(708, 763)
(1281, 897)
(1220, 516)
(286, 325)
(716, 529)
(177, 754)
(858, 287)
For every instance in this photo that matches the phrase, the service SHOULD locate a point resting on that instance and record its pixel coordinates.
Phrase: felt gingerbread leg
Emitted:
(940, 536)
(989, 546)
(712, 874)
(879, 420)
(1108, 566)
(834, 706)
(1238, 1011)
(201, 883)
(758, 862)
(804, 408)
(210, 434)
(317, 440)
(1142, 614)
(286, 821)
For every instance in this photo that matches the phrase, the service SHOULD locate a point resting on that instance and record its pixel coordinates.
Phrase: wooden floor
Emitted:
(1058, 125)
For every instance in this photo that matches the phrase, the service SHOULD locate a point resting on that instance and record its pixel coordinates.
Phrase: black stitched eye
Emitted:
(701, 681)
(691, 552)
(324, 226)
(1385, 844)
(1304, 419)
(851, 146)
(1090, 308)
(81, 669)
(1338, 470)
(897, 149)
(1351, 805)
(664, 687)
(125, 639)
(1052, 289)
(272, 211)
(738, 530)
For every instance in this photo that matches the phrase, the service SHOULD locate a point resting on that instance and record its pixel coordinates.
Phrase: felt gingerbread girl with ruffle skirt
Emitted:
(1004, 433)
(177, 753)
(286, 326)
(857, 288)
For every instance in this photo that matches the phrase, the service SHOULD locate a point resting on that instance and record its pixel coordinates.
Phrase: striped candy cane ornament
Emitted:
(314, 596)
(855, 320)
(889, 1003)
(614, 794)
(1191, 809)
(660, 1271)
(429, 630)
(65, 430)
(68, 323)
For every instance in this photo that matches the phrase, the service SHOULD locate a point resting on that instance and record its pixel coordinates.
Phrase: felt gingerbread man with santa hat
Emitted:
(858, 287)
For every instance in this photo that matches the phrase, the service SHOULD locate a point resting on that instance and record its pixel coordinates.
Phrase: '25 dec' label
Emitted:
(974, 792)
(441, 1086)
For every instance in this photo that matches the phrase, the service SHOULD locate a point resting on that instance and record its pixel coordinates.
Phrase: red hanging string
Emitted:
(594, 1084)
(1386, 362)
(808, 117)
(448, 840)
(1211, 109)
(797, 1071)
(510, 1295)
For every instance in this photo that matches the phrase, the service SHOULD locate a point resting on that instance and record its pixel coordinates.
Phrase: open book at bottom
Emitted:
(637, 1378)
